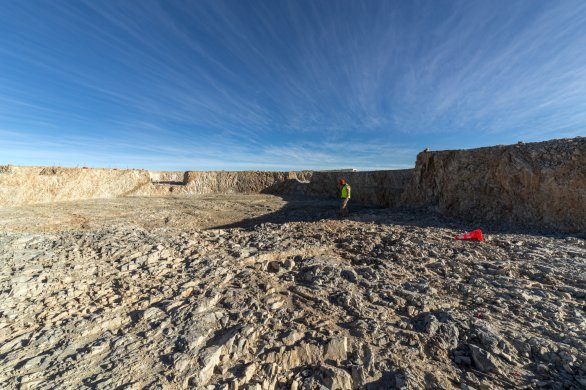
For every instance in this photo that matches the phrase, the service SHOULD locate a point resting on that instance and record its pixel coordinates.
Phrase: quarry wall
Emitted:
(376, 188)
(29, 185)
(539, 184)
(220, 182)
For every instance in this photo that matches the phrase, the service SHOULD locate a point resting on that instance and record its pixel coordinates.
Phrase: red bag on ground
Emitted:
(473, 235)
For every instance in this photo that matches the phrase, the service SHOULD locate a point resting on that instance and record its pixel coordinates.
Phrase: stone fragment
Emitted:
(247, 373)
(291, 337)
(153, 314)
(359, 376)
(411, 310)
(337, 349)
(430, 324)
(187, 292)
(336, 378)
(288, 264)
(274, 266)
(483, 360)
(464, 360)
(349, 275)
(209, 359)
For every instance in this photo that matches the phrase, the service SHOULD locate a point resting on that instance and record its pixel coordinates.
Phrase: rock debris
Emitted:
(374, 301)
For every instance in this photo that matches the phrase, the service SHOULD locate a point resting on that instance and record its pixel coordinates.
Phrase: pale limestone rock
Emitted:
(483, 360)
(337, 349)
(209, 359)
(336, 378)
(247, 373)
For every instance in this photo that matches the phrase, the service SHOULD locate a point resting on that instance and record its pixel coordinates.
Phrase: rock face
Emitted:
(539, 184)
(377, 188)
(30, 185)
(198, 182)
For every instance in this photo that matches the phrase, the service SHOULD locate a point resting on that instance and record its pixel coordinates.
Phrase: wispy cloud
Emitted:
(279, 84)
(215, 154)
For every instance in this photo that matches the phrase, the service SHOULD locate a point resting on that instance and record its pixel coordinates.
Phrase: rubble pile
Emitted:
(375, 301)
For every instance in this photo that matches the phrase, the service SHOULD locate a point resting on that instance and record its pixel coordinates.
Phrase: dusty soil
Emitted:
(184, 212)
(260, 292)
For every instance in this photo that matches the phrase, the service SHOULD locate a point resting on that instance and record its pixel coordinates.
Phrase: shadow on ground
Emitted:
(300, 209)
(310, 209)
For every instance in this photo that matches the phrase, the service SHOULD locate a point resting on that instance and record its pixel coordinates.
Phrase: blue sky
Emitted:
(284, 85)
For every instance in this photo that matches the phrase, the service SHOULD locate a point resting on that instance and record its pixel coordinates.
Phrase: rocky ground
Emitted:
(257, 292)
